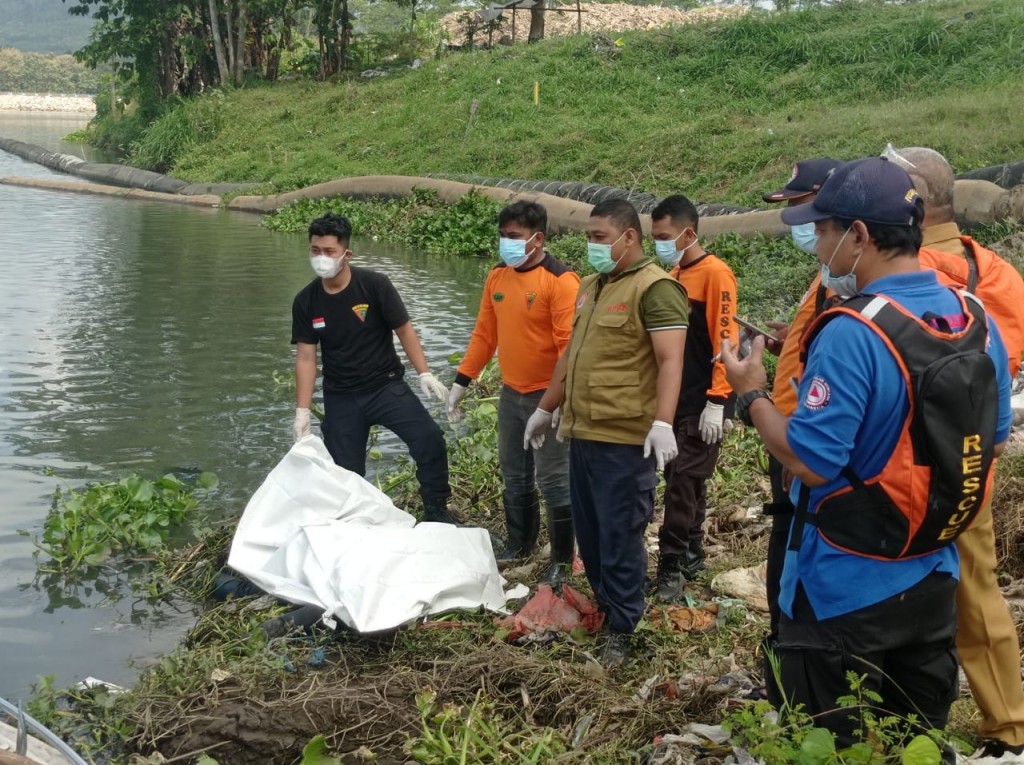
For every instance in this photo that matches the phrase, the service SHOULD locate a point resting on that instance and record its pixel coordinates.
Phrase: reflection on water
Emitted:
(140, 336)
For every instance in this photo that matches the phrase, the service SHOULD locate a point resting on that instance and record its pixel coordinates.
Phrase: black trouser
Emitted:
(905, 645)
(611, 487)
(346, 428)
(686, 497)
(781, 510)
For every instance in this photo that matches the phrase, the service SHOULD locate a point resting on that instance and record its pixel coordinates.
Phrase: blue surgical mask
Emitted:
(600, 256)
(513, 251)
(666, 250)
(846, 285)
(804, 237)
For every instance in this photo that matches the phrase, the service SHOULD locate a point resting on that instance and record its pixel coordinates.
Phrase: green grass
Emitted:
(719, 110)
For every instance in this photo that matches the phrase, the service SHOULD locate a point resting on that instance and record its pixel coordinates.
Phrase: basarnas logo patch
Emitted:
(530, 297)
(498, 297)
(360, 310)
(818, 395)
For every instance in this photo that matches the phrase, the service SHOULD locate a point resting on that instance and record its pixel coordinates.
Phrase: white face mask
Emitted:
(326, 267)
(846, 285)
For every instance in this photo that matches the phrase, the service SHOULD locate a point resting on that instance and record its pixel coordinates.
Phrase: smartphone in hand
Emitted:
(754, 328)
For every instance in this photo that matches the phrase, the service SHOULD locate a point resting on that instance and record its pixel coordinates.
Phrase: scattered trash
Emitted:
(688, 618)
(716, 734)
(371, 73)
(547, 613)
(748, 584)
(93, 682)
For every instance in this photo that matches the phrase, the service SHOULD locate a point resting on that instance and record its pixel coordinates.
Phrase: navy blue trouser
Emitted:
(611, 490)
(346, 428)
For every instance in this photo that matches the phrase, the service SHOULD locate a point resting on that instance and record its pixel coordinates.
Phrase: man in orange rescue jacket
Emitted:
(986, 638)
(526, 314)
(705, 401)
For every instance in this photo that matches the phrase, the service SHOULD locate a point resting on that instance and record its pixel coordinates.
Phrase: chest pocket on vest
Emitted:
(616, 333)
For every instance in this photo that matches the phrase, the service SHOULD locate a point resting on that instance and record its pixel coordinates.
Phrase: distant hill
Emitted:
(42, 26)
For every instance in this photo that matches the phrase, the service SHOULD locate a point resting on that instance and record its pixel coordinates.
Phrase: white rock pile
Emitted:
(46, 102)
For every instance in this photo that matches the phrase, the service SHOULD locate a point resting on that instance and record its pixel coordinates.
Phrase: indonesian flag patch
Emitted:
(319, 323)
(360, 310)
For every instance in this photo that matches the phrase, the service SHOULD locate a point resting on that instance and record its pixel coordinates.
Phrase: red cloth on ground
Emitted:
(545, 612)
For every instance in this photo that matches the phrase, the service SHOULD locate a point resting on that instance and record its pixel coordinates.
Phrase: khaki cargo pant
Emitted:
(986, 638)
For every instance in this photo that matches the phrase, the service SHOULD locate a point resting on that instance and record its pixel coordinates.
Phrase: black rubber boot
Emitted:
(303, 618)
(670, 579)
(522, 519)
(693, 559)
(563, 544)
(436, 511)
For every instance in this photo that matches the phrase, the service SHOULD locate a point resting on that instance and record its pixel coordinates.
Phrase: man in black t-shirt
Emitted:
(351, 314)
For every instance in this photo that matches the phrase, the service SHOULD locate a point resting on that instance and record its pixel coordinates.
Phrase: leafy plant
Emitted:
(477, 735)
(132, 516)
(791, 736)
(421, 220)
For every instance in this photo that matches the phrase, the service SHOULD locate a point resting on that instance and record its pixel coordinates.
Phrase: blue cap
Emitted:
(808, 177)
(873, 190)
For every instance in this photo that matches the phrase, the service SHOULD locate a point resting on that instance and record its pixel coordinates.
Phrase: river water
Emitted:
(140, 336)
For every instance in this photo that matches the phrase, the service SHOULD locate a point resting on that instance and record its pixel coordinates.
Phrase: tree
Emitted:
(218, 43)
(537, 14)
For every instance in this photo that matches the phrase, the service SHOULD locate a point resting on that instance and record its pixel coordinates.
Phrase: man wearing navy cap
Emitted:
(848, 606)
(809, 175)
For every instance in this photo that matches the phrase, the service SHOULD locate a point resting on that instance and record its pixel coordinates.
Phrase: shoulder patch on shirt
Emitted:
(554, 266)
(319, 323)
(818, 394)
(530, 297)
(498, 297)
(360, 310)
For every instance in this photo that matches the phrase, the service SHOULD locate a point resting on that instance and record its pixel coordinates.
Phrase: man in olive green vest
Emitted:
(618, 385)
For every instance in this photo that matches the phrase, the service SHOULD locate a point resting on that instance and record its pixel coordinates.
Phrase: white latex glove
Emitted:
(711, 423)
(454, 399)
(661, 440)
(727, 427)
(536, 429)
(556, 422)
(301, 426)
(432, 387)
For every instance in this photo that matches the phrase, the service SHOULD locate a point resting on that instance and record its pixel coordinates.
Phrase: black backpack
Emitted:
(939, 475)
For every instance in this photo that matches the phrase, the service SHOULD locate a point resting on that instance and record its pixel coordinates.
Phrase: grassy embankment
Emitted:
(840, 82)
(716, 110)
